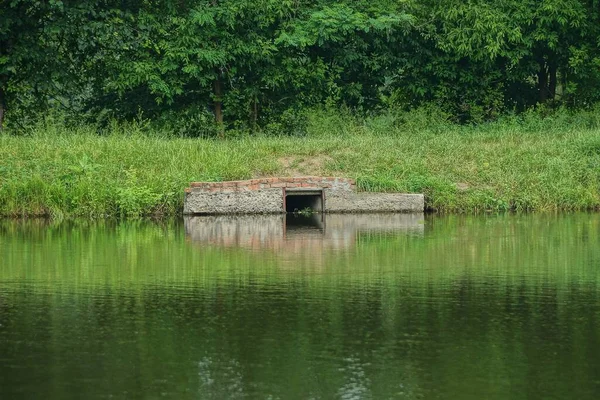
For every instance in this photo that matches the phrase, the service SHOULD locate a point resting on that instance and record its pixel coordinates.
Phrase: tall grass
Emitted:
(529, 162)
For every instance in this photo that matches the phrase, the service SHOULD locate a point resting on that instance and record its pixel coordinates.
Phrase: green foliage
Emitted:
(189, 122)
(252, 66)
(305, 212)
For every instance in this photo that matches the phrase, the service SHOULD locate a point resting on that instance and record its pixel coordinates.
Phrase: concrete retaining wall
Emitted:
(351, 202)
(267, 196)
(264, 201)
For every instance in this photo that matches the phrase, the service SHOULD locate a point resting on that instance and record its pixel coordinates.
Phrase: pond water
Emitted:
(345, 307)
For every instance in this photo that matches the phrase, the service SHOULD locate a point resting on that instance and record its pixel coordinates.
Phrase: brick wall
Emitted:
(307, 182)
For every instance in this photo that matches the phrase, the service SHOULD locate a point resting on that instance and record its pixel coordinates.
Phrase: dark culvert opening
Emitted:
(304, 202)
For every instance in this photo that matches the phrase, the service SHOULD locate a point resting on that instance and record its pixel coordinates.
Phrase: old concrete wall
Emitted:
(266, 196)
(351, 202)
(264, 201)
(302, 182)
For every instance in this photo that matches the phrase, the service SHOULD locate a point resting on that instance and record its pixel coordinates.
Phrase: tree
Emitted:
(247, 63)
(23, 28)
(49, 50)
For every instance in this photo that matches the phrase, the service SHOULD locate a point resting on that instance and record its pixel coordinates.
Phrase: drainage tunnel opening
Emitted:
(304, 202)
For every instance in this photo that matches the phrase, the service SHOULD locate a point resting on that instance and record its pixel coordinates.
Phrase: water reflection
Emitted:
(304, 225)
(496, 307)
(296, 233)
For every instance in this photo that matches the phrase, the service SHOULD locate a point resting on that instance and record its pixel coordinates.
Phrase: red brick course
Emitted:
(306, 182)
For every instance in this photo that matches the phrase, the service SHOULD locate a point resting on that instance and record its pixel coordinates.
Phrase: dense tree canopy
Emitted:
(248, 63)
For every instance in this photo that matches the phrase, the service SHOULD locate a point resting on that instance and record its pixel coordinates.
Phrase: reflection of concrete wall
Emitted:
(376, 222)
(270, 232)
(252, 231)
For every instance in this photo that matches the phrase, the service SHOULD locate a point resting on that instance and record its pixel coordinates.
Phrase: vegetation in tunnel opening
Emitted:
(306, 211)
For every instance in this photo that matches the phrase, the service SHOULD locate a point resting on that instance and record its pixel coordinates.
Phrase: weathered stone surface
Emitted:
(266, 196)
(264, 201)
(339, 201)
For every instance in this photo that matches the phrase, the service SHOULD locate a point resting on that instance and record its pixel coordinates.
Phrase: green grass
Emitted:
(526, 163)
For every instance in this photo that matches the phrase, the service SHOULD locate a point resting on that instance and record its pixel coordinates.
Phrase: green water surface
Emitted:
(488, 307)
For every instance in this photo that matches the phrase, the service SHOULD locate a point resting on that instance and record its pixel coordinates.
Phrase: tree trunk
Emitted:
(255, 114)
(552, 85)
(543, 82)
(218, 98)
(2, 107)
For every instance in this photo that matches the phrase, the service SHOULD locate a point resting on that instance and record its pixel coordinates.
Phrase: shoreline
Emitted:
(490, 169)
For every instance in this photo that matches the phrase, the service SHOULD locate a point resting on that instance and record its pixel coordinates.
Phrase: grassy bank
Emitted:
(517, 164)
